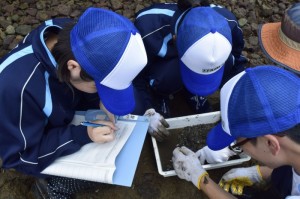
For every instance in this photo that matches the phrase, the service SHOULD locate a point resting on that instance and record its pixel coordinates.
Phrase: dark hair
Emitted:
(62, 53)
(292, 133)
(186, 4)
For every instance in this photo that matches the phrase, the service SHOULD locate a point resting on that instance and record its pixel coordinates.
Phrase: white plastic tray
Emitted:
(191, 120)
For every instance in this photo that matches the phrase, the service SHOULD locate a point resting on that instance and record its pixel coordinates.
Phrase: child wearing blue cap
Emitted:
(259, 117)
(192, 47)
(60, 67)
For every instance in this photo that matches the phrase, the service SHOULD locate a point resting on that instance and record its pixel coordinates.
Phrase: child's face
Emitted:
(77, 81)
(85, 86)
(262, 151)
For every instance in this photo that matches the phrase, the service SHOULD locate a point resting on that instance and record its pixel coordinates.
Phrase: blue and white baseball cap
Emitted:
(204, 43)
(258, 101)
(110, 49)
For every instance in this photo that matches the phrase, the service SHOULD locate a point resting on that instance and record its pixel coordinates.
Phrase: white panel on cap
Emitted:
(133, 60)
(225, 96)
(207, 54)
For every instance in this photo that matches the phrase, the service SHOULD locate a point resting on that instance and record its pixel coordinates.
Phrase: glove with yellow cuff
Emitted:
(187, 166)
(236, 179)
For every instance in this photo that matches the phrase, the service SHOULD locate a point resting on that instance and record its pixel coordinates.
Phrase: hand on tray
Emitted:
(157, 125)
(210, 156)
(187, 165)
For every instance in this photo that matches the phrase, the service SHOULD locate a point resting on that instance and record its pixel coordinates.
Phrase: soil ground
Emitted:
(193, 137)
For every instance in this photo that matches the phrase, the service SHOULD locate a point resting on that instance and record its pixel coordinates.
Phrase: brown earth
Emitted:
(193, 137)
(18, 17)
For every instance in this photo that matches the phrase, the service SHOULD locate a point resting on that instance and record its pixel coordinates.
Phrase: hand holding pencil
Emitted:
(111, 116)
(100, 131)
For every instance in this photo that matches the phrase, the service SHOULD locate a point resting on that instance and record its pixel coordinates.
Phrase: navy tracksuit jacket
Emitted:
(35, 108)
(162, 73)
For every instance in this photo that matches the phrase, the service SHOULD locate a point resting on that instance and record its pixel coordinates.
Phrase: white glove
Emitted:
(187, 165)
(214, 156)
(158, 125)
(237, 179)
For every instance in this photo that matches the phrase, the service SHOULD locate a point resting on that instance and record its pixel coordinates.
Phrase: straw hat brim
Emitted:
(276, 49)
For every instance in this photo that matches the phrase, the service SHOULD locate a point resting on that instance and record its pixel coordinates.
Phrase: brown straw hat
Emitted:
(281, 41)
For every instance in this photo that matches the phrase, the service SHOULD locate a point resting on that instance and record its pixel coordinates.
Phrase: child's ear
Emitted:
(273, 144)
(72, 64)
(74, 68)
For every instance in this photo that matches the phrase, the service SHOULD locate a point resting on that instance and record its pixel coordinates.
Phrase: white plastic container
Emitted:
(191, 120)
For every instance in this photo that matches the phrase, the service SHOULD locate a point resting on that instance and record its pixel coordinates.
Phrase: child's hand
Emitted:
(210, 156)
(102, 134)
(109, 114)
(236, 179)
(157, 125)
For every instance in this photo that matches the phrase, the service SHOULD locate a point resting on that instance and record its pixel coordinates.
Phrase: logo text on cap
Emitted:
(209, 70)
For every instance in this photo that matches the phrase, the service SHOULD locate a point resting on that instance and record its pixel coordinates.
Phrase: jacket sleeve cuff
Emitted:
(80, 135)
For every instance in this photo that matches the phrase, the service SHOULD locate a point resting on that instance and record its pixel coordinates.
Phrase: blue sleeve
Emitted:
(28, 140)
(281, 180)
(237, 41)
(143, 98)
(154, 25)
(152, 42)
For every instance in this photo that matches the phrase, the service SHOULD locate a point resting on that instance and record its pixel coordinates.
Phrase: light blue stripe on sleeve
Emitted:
(163, 51)
(15, 56)
(48, 101)
(177, 22)
(157, 11)
(49, 22)
(46, 48)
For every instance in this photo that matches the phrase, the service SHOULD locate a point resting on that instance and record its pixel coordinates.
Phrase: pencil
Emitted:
(87, 123)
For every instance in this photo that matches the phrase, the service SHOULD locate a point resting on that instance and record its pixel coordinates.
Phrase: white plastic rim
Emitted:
(191, 120)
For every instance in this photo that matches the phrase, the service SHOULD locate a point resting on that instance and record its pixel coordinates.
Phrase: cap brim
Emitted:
(118, 102)
(275, 49)
(202, 85)
(218, 139)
